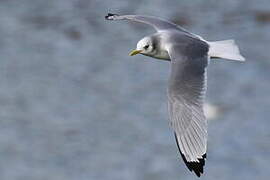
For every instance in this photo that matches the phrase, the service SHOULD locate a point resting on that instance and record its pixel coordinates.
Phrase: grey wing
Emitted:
(187, 86)
(157, 23)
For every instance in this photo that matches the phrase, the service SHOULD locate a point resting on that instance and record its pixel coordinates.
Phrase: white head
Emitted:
(150, 46)
(144, 46)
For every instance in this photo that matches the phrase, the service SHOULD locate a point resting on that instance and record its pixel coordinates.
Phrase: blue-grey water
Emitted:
(74, 106)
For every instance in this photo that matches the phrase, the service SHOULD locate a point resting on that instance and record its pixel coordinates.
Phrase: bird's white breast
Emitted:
(162, 54)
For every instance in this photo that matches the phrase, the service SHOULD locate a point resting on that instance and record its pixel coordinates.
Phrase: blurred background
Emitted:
(73, 105)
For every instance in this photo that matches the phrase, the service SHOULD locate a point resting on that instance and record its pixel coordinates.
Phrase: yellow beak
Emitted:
(134, 52)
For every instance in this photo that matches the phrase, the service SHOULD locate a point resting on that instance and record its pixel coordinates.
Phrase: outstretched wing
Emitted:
(187, 86)
(157, 23)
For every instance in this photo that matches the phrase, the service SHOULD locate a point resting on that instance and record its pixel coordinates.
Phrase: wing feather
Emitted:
(157, 23)
(187, 86)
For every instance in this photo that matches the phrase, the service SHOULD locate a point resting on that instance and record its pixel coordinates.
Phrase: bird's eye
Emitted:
(146, 46)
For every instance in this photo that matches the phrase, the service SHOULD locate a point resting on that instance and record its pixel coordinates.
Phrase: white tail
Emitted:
(226, 49)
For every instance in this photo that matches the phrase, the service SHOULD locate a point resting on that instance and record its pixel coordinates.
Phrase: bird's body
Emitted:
(163, 39)
(189, 55)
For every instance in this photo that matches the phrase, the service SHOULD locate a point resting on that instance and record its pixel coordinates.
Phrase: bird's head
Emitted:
(151, 46)
(145, 46)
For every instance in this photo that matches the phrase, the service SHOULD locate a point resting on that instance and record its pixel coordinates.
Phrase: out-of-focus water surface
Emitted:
(73, 105)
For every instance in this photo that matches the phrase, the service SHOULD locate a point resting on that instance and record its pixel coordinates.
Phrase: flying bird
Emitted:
(189, 56)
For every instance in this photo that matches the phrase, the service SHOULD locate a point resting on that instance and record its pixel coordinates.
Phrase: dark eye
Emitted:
(146, 46)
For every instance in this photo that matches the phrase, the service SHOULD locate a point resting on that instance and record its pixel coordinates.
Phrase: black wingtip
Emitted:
(107, 17)
(197, 167)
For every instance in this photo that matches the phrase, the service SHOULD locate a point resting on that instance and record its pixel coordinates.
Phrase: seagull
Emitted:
(189, 55)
